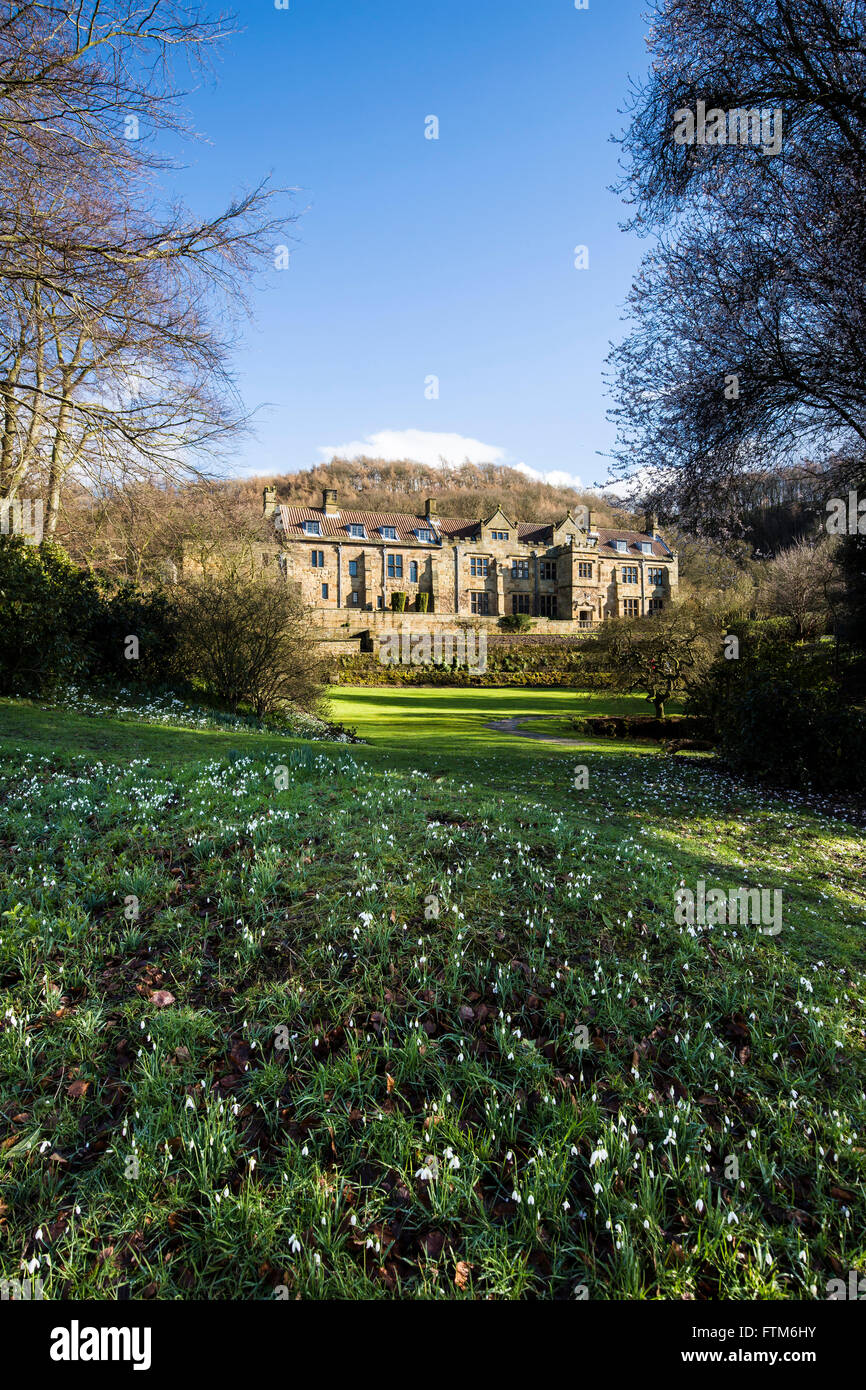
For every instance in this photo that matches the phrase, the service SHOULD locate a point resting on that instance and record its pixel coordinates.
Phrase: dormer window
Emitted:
(312, 528)
(388, 533)
(499, 535)
(621, 546)
(646, 547)
(426, 536)
(359, 533)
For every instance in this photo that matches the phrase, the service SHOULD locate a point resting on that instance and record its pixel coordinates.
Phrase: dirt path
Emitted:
(512, 726)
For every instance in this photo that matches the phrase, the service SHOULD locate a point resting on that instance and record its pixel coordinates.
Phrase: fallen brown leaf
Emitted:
(431, 1243)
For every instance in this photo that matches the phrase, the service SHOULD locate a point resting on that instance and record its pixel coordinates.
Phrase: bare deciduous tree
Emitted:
(111, 365)
(747, 345)
(801, 583)
(251, 642)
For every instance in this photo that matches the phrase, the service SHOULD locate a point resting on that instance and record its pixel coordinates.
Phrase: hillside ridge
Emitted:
(463, 490)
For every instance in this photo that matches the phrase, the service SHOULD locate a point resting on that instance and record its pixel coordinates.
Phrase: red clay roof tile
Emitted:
(448, 527)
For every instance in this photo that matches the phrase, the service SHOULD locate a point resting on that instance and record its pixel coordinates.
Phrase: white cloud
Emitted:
(556, 477)
(422, 446)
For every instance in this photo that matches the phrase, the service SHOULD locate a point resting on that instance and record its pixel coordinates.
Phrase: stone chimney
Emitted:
(593, 522)
(329, 502)
(270, 506)
(430, 508)
(650, 523)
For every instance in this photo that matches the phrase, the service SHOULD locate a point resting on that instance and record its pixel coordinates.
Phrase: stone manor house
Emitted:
(569, 571)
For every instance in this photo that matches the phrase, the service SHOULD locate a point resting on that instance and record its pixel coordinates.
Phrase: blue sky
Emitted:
(414, 257)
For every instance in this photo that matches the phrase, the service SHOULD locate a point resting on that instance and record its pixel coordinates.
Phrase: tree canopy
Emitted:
(745, 346)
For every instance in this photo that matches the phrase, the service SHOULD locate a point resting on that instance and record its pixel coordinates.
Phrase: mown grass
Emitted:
(369, 1079)
(437, 720)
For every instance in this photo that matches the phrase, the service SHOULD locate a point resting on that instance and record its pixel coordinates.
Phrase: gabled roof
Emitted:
(450, 528)
(336, 526)
(506, 521)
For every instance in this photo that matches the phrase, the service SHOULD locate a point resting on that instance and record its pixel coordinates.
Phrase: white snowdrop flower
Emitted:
(699, 1206)
(599, 1156)
(294, 1245)
(516, 1197)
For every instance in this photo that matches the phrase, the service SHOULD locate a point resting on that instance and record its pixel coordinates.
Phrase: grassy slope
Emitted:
(423, 922)
(47, 729)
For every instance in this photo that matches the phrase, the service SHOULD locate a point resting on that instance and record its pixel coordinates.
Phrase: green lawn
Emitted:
(452, 724)
(448, 725)
(415, 1018)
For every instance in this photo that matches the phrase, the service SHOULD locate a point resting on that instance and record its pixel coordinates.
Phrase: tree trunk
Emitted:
(55, 472)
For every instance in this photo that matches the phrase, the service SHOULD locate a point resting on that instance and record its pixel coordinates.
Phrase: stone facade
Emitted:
(568, 571)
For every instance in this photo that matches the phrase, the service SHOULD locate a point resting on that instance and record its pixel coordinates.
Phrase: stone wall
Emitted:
(343, 624)
(484, 574)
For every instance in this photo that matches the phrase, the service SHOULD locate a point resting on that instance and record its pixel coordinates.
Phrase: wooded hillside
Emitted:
(465, 490)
